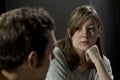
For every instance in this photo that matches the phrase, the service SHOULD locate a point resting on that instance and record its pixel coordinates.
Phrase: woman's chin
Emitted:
(84, 48)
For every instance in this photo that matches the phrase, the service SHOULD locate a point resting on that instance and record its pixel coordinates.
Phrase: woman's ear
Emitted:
(32, 60)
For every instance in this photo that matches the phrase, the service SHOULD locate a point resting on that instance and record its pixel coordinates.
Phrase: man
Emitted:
(26, 43)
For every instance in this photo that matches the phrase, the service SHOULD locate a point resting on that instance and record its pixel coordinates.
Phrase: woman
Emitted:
(80, 55)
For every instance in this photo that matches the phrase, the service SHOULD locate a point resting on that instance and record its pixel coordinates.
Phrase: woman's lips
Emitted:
(85, 42)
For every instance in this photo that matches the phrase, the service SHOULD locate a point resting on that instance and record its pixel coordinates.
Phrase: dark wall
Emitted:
(2, 6)
(109, 14)
(60, 10)
(116, 54)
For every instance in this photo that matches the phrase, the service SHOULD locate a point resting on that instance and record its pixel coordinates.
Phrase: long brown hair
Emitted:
(78, 17)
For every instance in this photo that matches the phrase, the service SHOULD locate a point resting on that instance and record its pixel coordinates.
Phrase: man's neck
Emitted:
(9, 75)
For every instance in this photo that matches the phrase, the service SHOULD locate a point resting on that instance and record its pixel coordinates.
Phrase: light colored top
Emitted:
(59, 69)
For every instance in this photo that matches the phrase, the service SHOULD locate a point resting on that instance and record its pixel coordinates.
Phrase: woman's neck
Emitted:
(83, 67)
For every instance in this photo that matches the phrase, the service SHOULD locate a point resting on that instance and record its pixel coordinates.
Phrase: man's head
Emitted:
(26, 40)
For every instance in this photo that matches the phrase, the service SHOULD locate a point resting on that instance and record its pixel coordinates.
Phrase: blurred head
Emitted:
(84, 29)
(26, 41)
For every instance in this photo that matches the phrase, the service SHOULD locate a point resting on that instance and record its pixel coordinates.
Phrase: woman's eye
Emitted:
(76, 29)
(91, 28)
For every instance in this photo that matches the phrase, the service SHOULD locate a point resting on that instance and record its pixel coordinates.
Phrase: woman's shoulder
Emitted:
(106, 60)
(58, 53)
(108, 66)
(59, 56)
(59, 63)
(58, 67)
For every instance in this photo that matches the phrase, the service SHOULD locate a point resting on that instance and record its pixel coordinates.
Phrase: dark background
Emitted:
(108, 10)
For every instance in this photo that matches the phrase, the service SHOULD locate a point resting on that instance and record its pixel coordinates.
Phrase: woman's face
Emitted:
(86, 35)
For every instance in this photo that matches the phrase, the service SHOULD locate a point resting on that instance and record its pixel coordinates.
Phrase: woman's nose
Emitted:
(84, 33)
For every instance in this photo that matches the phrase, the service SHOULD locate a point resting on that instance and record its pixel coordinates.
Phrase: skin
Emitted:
(29, 70)
(85, 36)
(84, 40)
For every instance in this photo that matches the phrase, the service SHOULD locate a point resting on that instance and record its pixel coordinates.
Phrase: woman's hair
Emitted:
(78, 17)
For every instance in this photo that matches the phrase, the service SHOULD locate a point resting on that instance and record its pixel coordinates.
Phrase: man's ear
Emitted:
(32, 60)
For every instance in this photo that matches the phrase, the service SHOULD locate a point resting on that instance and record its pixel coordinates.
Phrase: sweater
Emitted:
(59, 69)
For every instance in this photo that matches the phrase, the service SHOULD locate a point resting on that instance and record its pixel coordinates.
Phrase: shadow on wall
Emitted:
(2, 6)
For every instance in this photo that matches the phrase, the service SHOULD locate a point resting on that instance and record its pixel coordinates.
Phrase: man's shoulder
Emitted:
(2, 77)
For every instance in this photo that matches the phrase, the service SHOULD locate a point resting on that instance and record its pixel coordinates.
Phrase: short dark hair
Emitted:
(21, 31)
